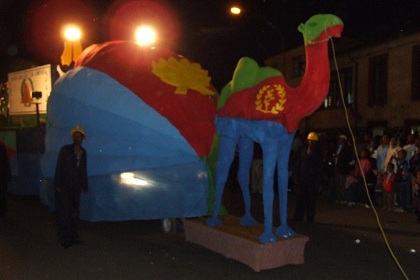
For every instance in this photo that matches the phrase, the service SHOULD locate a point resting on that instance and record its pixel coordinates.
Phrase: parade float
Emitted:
(149, 118)
(257, 105)
(153, 119)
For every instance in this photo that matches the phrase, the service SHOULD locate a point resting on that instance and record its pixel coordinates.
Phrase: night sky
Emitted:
(201, 30)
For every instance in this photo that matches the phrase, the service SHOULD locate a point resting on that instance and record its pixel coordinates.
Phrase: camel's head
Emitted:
(321, 27)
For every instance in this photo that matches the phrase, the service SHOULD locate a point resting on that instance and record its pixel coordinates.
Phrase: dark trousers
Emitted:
(352, 193)
(305, 204)
(67, 215)
(340, 186)
(388, 200)
(404, 195)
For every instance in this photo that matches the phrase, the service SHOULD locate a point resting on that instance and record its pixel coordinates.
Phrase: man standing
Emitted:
(309, 175)
(410, 147)
(5, 178)
(343, 158)
(382, 151)
(70, 179)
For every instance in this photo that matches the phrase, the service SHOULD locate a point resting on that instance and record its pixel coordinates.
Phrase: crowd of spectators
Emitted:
(385, 173)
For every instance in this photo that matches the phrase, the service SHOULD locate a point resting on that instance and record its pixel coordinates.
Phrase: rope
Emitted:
(358, 161)
(310, 42)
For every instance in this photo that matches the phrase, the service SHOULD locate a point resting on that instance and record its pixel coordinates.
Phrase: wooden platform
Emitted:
(242, 243)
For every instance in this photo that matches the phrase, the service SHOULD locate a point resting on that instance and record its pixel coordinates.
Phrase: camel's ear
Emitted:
(301, 27)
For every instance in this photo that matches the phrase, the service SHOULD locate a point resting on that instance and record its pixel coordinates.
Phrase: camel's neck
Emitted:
(316, 80)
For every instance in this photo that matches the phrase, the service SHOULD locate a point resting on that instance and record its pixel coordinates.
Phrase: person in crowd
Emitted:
(415, 159)
(381, 153)
(391, 155)
(410, 146)
(388, 185)
(364, 169)
(343, 158)
(69, 181)
(309, 174)
(372, 180)
(351, 188)
(376, 174)
(416, 195)
(372, 148)
(329, 171)
(5, 178)
(403, 182)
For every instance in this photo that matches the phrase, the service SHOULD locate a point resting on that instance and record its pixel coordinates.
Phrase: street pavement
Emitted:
(345, 243)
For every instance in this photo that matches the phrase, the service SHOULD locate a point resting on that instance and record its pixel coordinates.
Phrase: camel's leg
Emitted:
(269, 163)
(285, 146)
(246, 152)
(226, 155)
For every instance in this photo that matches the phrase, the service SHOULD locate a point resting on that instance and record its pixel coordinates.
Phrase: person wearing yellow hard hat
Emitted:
(70, 180)
(309, 175)
(79, 129)
(313, 136)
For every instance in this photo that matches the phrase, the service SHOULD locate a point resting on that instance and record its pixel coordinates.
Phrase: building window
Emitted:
(378, 80)
(334, 99)
(415, 94)
(298, 66)
(412, 126)
(378, 128)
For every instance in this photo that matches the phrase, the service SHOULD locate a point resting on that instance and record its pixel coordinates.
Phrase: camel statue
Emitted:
(257, 105)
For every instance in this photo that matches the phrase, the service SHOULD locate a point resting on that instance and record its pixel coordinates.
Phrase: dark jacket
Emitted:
(69, 176)
(415, 163)
(310, 169)
(344, 159)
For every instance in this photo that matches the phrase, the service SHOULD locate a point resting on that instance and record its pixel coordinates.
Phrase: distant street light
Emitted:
(72, 45)
(235, 10)
(145, 35)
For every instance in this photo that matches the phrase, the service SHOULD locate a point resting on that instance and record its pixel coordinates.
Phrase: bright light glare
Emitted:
(72, 33)
(235, 10)
(145, 35)
(129, 179)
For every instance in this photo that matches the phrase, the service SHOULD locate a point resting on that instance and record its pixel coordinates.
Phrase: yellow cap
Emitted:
(312, 136)
(79, 129)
